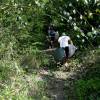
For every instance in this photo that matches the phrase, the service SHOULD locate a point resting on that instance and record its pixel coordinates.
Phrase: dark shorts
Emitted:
(52, 38)
(67, 51)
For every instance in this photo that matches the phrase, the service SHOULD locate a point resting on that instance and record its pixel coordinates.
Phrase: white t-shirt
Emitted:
(63, 40)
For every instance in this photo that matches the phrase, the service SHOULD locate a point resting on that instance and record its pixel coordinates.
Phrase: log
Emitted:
(49, 50)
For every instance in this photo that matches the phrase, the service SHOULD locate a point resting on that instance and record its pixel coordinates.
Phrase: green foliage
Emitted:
(16, 85)
(23, 30)
(88, 89)
(26, 21)
(36, 60)
(72, 16)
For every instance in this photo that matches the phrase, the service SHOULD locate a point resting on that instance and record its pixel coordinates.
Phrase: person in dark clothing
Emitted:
(51, 34)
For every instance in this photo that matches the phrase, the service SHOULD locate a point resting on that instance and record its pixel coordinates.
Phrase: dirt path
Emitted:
(55, 85)
(59, 83)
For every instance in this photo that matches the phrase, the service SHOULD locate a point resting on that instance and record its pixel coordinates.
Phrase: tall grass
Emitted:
(15, 83)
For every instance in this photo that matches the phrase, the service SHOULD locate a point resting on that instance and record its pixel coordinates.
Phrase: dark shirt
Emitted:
(51, 33)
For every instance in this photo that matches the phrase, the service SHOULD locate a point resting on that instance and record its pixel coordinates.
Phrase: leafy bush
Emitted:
(37, 60)
(88, 89)
(15, 84)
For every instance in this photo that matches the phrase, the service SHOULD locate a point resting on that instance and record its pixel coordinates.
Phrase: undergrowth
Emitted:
(88, 87)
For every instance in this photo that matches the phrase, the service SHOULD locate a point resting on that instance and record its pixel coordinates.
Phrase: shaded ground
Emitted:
(59, 84)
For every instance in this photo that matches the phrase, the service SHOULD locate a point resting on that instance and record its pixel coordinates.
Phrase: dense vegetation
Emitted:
(23, 31)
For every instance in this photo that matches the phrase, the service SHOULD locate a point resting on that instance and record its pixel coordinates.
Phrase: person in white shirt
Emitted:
(64, 43)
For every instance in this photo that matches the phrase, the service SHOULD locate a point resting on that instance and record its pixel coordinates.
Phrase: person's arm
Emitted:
(48, 33)
(59, 39)
(71, 42)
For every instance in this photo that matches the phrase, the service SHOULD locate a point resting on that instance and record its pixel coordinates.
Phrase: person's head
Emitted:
(50, 27)
(63, 34)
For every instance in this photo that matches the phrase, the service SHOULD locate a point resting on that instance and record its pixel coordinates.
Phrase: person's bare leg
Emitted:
(52, 44)
(65, 62)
